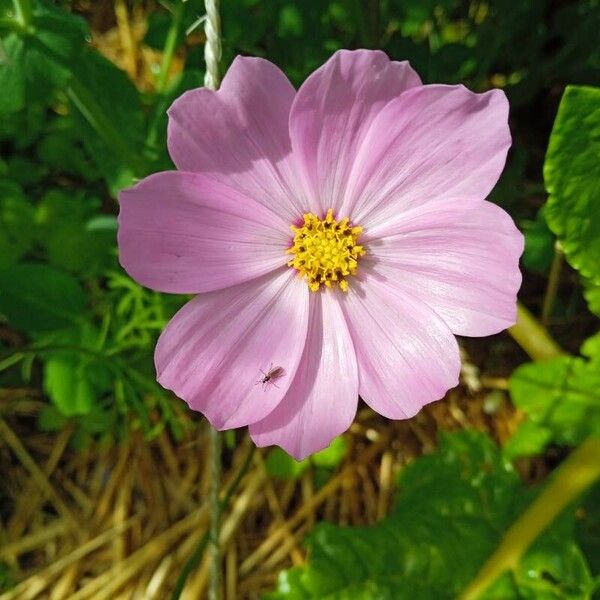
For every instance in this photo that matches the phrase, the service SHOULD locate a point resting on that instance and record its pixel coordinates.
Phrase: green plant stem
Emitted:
(215, 513)
(194, 559)
(23, 12)
(170, 47)
(533, 337)
(552, 287)
(573, 477)
(104, 127)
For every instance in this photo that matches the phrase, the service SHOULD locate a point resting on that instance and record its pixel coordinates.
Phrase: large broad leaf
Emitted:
(561, 398)
(451, 511)
(109, 119)
(572, 176)
(36, 298)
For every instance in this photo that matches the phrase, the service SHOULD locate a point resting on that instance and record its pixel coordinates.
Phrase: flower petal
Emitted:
(434, 142)
(239, 134)
(460, 258)
(332, 113)
(322, 399)
(212, 352)
(185, 233)
(407, 356)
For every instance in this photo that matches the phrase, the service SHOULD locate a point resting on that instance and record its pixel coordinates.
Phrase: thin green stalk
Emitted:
(194, 559)
(533, 337)
(573, 477)
(23, 12)
(170, 47)
(215, 513)
(552, 287)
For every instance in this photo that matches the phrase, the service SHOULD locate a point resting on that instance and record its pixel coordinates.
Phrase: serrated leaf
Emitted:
(572, 177)
(36, 298)
(561, 398)
(451, 511)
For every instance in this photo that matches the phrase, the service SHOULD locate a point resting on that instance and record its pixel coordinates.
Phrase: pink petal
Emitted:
(212, 352)
(321, 401)
(433, 142)
(239, 134)
(407, 356)
(332, 113)
(460, 258)
(186, 233)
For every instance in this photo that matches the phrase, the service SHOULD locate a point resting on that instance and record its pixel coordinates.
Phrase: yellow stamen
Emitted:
(325, 251)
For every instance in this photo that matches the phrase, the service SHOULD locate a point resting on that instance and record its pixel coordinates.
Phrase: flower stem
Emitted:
(215, 513)
(170, 47)
(573, 477)
(194, 559)
(533, 337)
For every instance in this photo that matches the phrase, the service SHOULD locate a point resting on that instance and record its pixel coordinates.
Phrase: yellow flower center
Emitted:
(325, 250)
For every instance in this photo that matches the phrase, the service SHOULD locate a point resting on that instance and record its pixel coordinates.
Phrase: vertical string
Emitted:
(212, 47)
(212, 57)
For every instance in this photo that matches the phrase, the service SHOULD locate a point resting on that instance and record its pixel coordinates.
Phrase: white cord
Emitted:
(212, 47)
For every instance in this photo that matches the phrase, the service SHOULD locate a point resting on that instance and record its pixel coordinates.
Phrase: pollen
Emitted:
(325, 251)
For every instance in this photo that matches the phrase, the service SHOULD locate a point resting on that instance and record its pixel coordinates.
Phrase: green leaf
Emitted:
(74, 239)
(44, 55)
(51, 419)
(331, 456)
(572, 177)
(36, 298)
(539, 244)
(451, 512)
(281, 465)
(75, 379)
(108, 103)
(12, 80)
(561, 398)
(16, 216)
(592, 295)
(588, 527)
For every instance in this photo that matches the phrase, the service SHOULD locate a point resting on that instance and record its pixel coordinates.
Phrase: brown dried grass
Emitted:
(119, 521)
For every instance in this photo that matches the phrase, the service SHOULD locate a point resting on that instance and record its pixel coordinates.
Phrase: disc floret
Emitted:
(325, 251)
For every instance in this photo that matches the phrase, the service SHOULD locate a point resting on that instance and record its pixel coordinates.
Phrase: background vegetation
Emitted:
(83, 91)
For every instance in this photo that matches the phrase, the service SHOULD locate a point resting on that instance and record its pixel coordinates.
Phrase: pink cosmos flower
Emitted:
(338, 234)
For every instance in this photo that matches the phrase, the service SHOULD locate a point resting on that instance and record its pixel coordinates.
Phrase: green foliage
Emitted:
(281, 465)
(561, 398)
(38, 298)
(539, 244)
(38, 54)
(451, 510)
(572, 176)
(16, 215)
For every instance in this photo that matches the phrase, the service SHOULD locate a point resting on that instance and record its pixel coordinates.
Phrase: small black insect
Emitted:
(271, 376)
